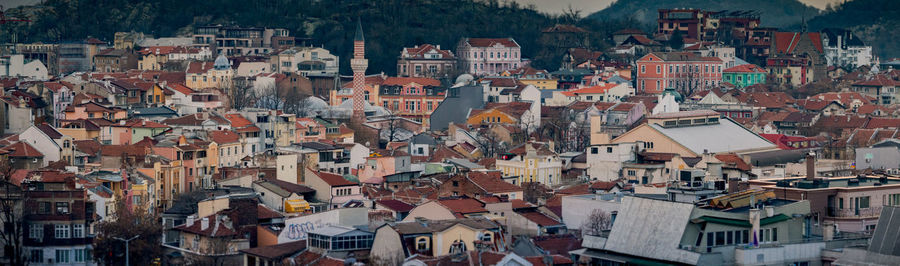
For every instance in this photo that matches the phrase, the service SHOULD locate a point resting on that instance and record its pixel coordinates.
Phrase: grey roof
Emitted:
(152, 111)
(359, 32)
(768, 158)
(887, 232)
(657, 238)
(319, 146)
(464, 163)
(423, 138)
(726, 136)
(548, 93)
(335, 230)
(283, 189)
(430, 226)
(455, 108)
(617, 80)
(887, 143)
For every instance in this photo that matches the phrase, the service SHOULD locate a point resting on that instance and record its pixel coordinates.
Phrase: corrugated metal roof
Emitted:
(726, 136)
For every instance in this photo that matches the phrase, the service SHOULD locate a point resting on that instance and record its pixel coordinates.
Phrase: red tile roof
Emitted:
(180, 88)
(22, 150)
(420, 51)
(490, 42)
(491, 182)
(463, 205)
(748, 68)
(883, 122)
(590, 90)
(403, 81)
(160, 50)
(500, 81)
(214, 229)
(732, 160)
(395, 205)
(223, 136)
(263, 212)
(334, 180)
(238, 121)
(557, 244)
(199, 67)
(786, 42)
(539, 218)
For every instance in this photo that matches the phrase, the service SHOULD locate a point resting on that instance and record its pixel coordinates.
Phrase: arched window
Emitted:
(422, 243)
(457, 247)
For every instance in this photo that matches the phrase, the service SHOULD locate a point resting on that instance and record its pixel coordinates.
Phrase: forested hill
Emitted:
(876, 21)
(775, 13)
(389, 25)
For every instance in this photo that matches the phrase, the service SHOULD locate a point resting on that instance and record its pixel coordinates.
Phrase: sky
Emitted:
(588, 7)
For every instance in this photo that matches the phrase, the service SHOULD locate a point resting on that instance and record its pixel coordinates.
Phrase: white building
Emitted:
(843, 48)
(308, 61)
(605, 161)
(15, 66)
(489, 56)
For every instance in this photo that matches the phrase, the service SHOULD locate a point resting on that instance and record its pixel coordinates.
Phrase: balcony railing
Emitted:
(855, 212)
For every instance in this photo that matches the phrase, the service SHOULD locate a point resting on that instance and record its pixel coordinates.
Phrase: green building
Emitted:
(744, 75)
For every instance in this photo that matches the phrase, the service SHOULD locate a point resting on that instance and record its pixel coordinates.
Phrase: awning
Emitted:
(294, 206)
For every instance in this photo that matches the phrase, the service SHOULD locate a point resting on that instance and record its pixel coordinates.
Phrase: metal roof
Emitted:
(726, 136)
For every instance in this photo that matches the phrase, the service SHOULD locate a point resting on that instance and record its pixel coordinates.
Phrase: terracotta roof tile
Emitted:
(489, 42)
(463, 205)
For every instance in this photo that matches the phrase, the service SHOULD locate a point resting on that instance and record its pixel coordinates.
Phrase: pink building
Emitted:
(680, 70)
(425, 61)
(308, 130)
(489, 56)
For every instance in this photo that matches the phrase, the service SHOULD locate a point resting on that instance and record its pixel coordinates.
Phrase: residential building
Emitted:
(412, 98)
(426, 60)
(202, 75)
(489, 56)
(693, 133)
(115, 60)
(78, 56)
(238, 41)
(844, 49)
(59, 219)
(532, 162)
(396, 241)
(332, 188)
(744, 75)
(307, 61)
(530, 76)
(797, 49)
(15, 66)
(480, 184)
(680, 70)
(883, 88)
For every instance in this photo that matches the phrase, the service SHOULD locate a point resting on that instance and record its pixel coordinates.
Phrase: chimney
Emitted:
(810, 166)
(190, 220)
(204, 223)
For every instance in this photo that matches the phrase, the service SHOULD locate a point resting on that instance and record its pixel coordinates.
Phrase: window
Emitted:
(643, 69)
(422, 243)
(79, 255)
(62, 256)
(863, 202)
(658, 69)
(61, 231)
(62, 208)
(632, 173)
(78, 231)
(594, 150)
(36, 231)
(609, 149)
(37, 255)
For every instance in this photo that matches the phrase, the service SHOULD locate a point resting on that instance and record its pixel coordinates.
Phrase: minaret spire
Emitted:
(358, 64)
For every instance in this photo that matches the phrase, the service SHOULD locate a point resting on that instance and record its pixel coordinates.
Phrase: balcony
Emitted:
(860, 213)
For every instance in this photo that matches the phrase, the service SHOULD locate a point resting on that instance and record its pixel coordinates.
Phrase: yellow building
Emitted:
(201, 75)
(498, 113)
(154, 58)
(434, 238)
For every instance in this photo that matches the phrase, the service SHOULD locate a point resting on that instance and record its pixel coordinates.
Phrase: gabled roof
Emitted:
(538, 218)
(590, 90)
(22, 149)
(223, 136)
(214, 228)
(49, 131)
(334, 180)
(491, 182)
(732, 160)
(748, 68)
(199, 67)
(786, 42)
(490, 42)
(395, 205)
(403, 81)
(419, 52)
(277, 252)
(463, 206)
(726, 136)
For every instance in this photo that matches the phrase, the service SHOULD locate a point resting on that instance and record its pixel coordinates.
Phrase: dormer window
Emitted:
(422, 243)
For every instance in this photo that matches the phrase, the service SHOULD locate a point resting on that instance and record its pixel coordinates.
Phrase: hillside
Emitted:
(389, 25)
(876, 21)
(775, 13)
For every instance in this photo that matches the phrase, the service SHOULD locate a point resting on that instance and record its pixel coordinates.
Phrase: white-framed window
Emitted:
(79, 255)
(61, 231)
(78, 231)
(36, 231)
(62, 256)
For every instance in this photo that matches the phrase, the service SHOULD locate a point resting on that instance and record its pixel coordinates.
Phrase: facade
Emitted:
(489, 56)
(115, 60)
(202, 75)
(798, 49)
(308, 61)
(78, 56)
(16, 66)
(59, 218)
(238, 41)
(682, 71)
(532, 162)
(412, 98)
(744, 75)
(844, 49)
(426, 60)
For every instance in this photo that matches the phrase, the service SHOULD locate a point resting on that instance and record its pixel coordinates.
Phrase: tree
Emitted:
(534, 192)
(676, 42)
(125, 224)
(241, 95)
(11, 215)
(489, 143)
(596, 223)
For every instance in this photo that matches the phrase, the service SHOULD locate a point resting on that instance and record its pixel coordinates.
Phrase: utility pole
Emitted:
(127, 263)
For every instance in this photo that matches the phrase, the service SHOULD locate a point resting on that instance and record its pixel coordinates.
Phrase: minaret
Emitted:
(359, 64)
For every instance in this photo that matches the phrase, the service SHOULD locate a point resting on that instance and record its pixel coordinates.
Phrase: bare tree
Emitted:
(126, 223)
(296, 102)
(596, 223)
(489, 143)
(535, 192)
(11, 215)
(215, 252)
(270, 97)
(241, 95)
